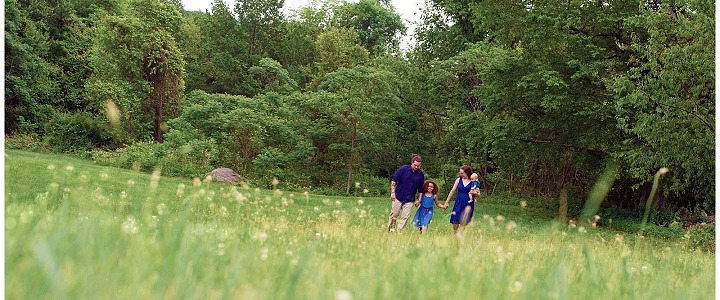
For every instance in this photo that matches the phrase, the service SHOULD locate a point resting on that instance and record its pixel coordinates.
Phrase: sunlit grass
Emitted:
(74, 230)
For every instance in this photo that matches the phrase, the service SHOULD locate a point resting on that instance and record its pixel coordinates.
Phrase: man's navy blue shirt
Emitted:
(408, 183)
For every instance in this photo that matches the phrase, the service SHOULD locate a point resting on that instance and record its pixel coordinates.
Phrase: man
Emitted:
(404, 186)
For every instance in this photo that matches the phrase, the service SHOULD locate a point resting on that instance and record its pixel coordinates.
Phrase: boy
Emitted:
(474, 187)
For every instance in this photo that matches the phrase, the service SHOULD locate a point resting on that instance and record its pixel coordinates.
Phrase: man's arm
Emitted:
(393, 184)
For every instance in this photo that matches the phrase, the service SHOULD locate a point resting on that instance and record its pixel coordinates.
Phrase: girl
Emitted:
(423, 215)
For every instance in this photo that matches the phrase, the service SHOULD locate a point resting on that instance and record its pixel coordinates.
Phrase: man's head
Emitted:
(416, 162)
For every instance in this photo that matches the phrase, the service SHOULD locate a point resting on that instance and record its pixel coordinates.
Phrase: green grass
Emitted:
(75, 230)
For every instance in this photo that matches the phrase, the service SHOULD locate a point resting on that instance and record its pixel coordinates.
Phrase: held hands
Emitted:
(417, 203)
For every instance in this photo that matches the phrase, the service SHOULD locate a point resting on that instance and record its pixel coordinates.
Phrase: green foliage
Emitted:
(702, 237)
(666, 102)
(29, 82)
(27, 142)
(140, 156)
(378, 26)
(138, 65)
(339, 47)
(272, 77)
(78, 132)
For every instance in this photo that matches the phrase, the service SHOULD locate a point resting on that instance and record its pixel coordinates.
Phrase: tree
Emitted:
(666, 102)
(261, 21)
(356, 101)
(217, 56)
(138, 64)
(338, 47)
(29, 78)
(378, 26)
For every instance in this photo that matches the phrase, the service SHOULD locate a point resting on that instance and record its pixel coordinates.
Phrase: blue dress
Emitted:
(462, 210)
(423, 215)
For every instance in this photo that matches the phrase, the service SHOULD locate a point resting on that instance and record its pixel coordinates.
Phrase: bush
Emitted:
(29, 142)
(139, 156)
(78, 132)
(702, 236)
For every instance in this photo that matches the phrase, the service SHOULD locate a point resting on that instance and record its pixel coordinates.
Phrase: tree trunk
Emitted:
(563, 211)
(158, 119)
(350, 162)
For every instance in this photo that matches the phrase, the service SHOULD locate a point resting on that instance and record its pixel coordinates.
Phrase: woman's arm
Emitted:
(452, 191)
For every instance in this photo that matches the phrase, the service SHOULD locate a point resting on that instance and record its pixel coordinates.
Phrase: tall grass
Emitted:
(75, 230)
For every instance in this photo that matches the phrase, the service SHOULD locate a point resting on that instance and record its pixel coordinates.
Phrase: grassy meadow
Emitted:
(76, 230)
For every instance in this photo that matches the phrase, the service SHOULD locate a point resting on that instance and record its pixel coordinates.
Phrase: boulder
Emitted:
(224, 175)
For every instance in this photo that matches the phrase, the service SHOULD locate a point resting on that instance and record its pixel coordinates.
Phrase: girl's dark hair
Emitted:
(467, 169)
(427, 183)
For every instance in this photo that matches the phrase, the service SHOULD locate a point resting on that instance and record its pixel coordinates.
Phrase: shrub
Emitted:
(78, 132)
(29, 142)
(702, 236)
(139, 156)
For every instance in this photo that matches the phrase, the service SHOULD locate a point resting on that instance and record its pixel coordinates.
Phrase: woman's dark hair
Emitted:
(467, 169)
(427, 183)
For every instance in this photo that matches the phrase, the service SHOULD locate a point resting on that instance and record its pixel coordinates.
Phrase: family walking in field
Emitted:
(409, 181)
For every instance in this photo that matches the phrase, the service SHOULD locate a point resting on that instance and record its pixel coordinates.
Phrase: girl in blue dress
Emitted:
(425, 203)
(464, 206)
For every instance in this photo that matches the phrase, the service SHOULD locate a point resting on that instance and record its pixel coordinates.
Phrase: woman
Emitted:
(464, 206)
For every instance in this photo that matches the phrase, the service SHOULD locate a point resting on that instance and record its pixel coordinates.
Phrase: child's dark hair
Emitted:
(427, 183)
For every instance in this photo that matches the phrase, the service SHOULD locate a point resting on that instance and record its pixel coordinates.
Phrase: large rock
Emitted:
(224, 175)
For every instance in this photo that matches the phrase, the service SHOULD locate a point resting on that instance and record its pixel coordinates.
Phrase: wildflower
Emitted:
(264, 254)
(262, 236)
(69, 168)
(51, 167)
(343, 295)
(104, 176)
(523, 204)
(129, 226)
(275, 181)
(517, 285)
(500, 218)
(196, 182)
(361, 202)
(160, 208)
(511, 226)
(365, 191)
(582, 229)
(357, 184)
(131, 182)
(619, 238)
(597, 218)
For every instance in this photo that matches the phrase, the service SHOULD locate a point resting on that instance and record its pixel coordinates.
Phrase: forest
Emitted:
(542, 98)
